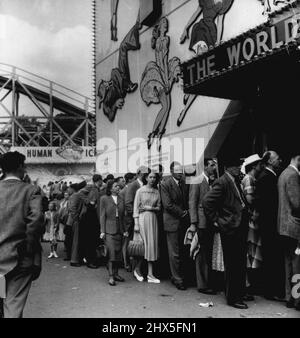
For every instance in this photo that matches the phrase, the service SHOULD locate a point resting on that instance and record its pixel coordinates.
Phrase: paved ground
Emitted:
(63, 291)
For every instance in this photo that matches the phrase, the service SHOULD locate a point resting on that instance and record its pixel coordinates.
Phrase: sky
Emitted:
(51, 38)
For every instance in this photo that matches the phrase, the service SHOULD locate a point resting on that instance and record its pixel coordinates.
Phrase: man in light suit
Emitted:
(226, 207)
(200, 224)
(21, 227)
(174, 195)
(289, 223)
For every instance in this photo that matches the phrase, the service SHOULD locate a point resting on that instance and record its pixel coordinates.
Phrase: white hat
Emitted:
(249, 160)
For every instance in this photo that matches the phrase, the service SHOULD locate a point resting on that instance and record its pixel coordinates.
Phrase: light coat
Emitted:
(196, 195)
(289, 203)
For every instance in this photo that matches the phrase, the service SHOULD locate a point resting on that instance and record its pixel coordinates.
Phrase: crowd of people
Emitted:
(238, 233)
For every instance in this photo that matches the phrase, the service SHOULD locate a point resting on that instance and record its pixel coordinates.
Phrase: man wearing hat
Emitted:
(225, 206)
(252, 168)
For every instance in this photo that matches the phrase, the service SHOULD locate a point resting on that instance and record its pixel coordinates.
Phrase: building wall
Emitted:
(136, 117)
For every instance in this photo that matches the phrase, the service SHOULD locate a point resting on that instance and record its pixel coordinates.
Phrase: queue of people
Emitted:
(244, 226)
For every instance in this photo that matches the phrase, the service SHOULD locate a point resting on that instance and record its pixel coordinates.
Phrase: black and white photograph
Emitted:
(149, 162)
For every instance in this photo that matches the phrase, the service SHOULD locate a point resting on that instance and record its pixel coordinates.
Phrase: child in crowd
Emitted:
(52, 228)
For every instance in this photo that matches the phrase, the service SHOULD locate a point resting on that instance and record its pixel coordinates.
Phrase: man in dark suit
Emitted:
(21, 227)
(200, 224)
(91, 221)
(225, 206)
(76, 211)
(68, 228)
(129, 177)
(267, 208)
(174, 195)
(130, 195)
(289, 224)
(162, 266)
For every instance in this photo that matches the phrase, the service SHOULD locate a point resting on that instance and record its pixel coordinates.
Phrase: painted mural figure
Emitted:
(205, 33)
(158, 79)
(112, 93)
(113, 22)
(267, 6)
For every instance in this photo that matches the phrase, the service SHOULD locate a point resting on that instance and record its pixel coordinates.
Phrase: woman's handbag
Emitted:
(101, 250)
(136, 246)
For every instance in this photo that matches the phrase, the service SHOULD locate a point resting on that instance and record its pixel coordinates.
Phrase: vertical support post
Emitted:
(17, 99)
(51, 113)
(13, 125)
(17, 104)
(86, 107)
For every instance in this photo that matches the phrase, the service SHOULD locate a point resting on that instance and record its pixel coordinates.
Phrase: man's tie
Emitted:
(180, 184)
(242, 196)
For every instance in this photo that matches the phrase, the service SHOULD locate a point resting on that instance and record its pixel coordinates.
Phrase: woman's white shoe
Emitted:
(138, 277)
(153, 280)
(51, 255)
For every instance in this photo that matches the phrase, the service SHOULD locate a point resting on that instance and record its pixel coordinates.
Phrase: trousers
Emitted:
(18, 283)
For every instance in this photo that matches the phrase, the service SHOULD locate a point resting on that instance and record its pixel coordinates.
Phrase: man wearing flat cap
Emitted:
(225, 206)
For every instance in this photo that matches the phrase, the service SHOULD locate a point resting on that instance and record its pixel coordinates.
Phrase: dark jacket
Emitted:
(92, 198)
(223, 205)
(174, 203)
(196, 195)
(130, 192)
(289, 204)
(267, 203)
(108, 220)
(21, 225)
(76, 208)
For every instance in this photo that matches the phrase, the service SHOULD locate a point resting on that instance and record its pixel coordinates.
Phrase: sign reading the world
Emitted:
(244, 48)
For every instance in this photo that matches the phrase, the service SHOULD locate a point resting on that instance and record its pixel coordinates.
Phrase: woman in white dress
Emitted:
(147, 204)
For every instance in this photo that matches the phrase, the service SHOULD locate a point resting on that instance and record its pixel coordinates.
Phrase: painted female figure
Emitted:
(267, 6)
(159, 77)
(205, 33)
(113, 23)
